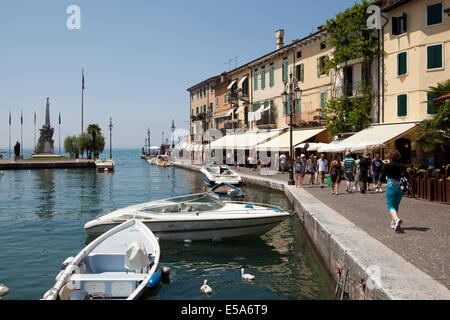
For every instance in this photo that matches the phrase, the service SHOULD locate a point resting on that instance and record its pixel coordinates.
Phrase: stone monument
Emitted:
(45, 147)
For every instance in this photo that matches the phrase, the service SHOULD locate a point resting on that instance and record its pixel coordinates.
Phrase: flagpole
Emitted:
(59, 146)
(34, 130)
(82, 97)
(21, 133)
(10, 134)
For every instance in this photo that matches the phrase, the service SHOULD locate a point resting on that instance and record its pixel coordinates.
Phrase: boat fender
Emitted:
(65, 292)
(154, 280)
(66, 262)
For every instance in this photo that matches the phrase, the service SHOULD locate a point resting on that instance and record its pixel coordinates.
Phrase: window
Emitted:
(298, 109)
(197, 94)
(299, 54)
(255, 81)
(323, 45)
(211, 88)
(204, 91)
(211, 107)
(430, 108)
(197, 110)
(399, 24)
(434, 14)
(402, 63)
(321, 66)
(271, 76)
(299, 72)
(263, 78)
(192, 96)
(284, 69)
(225, 98)
(434, 56)
(348, 81)
(201, 93)
(402, 105)
(217, 101)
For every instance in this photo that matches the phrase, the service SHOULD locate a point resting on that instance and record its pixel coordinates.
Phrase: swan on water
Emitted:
(246, 276)
(205, 289)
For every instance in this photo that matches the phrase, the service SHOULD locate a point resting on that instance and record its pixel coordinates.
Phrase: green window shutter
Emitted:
(402, 105)
(217, 101)
(204, 91)
(263, 79)
(197, 110)
(284, 70)
(284, 109)
(298, 106)
(434, 14)
(225, 98)
(434, 56)
(401, 63)
(255, 81)
(211, 107)
(319, 70)
(323, 100)
(302, 73)
(271, 76)
(430, 108)
(204, 108)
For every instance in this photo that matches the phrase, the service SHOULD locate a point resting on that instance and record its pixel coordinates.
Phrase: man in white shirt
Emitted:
(322, 168)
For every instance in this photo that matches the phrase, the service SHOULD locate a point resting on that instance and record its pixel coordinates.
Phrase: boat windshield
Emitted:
(202, 202)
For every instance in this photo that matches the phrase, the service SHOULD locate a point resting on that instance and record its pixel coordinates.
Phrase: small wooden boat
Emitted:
(117, 265)
(225, 190)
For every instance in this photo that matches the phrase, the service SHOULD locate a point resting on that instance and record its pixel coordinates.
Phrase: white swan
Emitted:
(4, 290)
(205, 289)
(246, 276)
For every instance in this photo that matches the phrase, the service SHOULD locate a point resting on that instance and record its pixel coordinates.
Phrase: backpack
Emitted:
(404, 182)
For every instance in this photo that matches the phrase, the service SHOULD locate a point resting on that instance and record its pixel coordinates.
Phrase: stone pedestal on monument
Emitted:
(45, 148)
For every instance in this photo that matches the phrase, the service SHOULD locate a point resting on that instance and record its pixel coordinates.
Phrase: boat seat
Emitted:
(108, 276)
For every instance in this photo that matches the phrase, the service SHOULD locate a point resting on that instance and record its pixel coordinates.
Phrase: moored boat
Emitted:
(225, 190)
(116, 265)
(163, 161)
(103, 164)
(215, 174)
(195, 217)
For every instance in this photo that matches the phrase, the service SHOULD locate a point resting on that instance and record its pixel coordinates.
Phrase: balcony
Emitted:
(267, 121)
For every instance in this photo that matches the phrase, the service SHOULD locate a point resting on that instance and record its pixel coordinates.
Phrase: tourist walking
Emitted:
(394, 172)
(357, 172)
(364, 165)
(322, 168)
(377, 170)
(349, 170)
(282, 162)
(335, 173)
(311, 169)
(298, 172)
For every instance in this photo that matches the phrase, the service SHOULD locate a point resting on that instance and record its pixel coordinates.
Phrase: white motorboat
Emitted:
(104, 164)
(195, 217)
(215, 174)
(116, 265)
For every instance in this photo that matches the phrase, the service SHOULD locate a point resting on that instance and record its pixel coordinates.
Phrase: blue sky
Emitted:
(139, 57)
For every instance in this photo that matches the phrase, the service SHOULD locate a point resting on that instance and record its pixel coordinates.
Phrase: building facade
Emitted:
(417, 46)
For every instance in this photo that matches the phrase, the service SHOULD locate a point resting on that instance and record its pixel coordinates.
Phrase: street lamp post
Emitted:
(110, 138)
(292, 95)
(173, 136)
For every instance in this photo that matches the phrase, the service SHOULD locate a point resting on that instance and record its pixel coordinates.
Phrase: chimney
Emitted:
(279, 34)
(223, 76)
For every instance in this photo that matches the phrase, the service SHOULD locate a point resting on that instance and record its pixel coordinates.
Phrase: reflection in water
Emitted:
(46, 185)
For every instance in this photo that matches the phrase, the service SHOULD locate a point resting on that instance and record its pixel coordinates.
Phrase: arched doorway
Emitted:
(403, 145)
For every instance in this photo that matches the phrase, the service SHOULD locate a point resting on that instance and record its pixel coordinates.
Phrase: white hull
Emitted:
(210, 178)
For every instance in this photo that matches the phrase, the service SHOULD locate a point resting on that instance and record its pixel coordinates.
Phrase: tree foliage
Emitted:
(84, 143)
(351, 39)
(435, 134)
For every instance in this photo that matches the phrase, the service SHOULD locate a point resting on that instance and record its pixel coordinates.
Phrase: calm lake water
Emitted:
(42, 215)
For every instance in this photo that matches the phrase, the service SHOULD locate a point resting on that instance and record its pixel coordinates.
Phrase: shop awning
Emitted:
(243, 141)
(372, 137)
(241, 81)
(231, 84)
(229, 112)
(282, 142)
